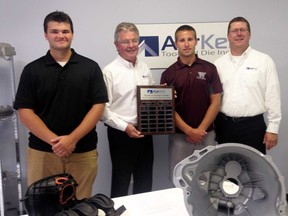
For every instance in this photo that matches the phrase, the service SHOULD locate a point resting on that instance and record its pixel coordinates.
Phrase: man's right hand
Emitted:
(195, 135)
(133, 132)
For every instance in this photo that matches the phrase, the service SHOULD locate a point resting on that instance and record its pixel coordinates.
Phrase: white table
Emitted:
(169, 202)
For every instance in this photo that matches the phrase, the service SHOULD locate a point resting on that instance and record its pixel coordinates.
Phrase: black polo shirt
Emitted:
(61, 96)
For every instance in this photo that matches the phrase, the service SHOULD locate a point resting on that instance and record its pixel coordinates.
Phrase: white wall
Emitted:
(94, 23)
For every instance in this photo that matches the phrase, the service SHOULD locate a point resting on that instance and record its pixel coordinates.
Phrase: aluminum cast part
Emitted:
(231, 180)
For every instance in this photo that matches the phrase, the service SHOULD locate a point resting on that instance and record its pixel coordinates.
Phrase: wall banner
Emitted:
(157, 47)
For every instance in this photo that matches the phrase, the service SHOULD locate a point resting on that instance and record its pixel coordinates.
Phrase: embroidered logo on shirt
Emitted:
(201, 75)
(251, 68)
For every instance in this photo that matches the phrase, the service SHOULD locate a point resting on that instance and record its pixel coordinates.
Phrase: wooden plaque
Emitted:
(155, 107)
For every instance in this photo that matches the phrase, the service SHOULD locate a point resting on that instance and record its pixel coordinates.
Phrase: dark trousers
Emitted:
(245, 130)
(130, 157)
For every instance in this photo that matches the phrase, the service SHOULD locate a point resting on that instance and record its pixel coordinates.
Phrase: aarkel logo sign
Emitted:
(153, 91)
(157, 47)
(150, 45)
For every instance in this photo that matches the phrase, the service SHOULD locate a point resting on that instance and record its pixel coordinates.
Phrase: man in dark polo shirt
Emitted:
(198, 100)
(60, 98)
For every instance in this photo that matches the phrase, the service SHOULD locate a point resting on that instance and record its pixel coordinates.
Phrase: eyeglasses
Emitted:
(128, 42)
(241, 30)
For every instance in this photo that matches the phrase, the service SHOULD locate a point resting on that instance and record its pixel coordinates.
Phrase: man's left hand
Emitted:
(270, 140)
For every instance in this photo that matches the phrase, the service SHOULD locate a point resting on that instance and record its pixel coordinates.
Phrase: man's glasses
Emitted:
(241, 30)
(128, 42)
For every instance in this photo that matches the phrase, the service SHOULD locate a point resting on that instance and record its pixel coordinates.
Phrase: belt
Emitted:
(239, 119)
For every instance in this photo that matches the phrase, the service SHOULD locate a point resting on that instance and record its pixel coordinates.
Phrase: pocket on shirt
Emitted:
(250, 77)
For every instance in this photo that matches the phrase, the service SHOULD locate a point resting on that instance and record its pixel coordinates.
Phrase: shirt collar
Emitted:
(50, 60)
(182, 65)
(246, 52)
(240, 58)
(125, 62)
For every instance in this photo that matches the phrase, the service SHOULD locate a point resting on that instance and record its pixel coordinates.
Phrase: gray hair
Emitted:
(125, 26)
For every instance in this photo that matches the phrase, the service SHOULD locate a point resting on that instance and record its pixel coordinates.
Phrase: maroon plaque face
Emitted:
(155, 107)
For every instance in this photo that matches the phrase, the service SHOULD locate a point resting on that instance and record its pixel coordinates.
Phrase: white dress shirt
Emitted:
(251, 86)
(121, 79)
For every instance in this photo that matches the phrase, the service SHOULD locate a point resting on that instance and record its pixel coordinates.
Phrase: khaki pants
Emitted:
(82, 166)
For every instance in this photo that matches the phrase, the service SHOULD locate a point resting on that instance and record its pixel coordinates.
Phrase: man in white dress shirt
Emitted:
(131, 152)
(251, 88)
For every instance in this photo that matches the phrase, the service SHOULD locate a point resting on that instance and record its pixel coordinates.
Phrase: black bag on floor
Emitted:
(50, 195)
(56, 196)
(90, 206)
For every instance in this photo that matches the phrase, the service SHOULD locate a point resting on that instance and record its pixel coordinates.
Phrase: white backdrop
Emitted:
(94, 24)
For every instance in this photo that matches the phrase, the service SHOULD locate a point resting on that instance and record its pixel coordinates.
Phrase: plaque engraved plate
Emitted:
(155, 107)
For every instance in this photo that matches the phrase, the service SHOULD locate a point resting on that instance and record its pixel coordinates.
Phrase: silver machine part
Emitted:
(1, 192)
(231, 180)
(7, 114)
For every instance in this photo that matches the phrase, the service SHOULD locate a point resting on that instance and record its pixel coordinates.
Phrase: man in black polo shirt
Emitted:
(60, 98)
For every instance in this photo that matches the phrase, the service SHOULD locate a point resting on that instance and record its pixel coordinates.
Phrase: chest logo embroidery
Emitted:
(201, 75)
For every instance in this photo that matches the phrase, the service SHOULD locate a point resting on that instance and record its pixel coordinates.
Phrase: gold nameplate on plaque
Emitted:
(155, 107)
